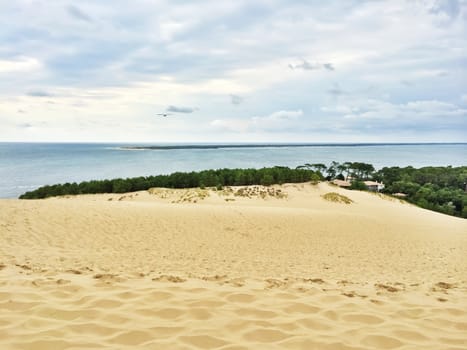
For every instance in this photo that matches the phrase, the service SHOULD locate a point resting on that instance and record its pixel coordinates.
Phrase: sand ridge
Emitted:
(242, 268)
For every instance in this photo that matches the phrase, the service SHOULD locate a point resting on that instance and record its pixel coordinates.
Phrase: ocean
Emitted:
(26, 166)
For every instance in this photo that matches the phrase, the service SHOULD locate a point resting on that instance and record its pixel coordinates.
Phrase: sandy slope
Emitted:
(243, 269)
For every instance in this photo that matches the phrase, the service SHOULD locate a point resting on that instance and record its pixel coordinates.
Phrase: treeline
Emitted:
(441, 189)
(335, 170)
(205, 178)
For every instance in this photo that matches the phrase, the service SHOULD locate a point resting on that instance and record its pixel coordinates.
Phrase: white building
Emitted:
(374, 186)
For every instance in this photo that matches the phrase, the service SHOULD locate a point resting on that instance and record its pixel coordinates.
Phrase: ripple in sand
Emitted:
(132, 338)
(362, 318)
(92, 328)
(169, 313)
(308, 344)
(315, 324)
(332, 315)
(200, 313)
(165, 332)
(410, 335)
(42, 345)
(11, 305)
(203, 341)
(241, 298)
(382, 342)
(5, 295)
(207, 303)
(257, 313)
(266, 335)
(58, 314)
(106, 304)
(158, 296)
(301, 308)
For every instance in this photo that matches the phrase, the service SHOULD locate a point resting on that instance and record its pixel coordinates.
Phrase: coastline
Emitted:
(273, 145)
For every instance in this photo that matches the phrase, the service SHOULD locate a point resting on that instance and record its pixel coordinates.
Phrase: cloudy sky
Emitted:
(239, 71)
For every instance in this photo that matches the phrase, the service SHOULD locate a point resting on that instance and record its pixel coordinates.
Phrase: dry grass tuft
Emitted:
(337, 198)
(191, 195)
(254, 192)
(386, 287)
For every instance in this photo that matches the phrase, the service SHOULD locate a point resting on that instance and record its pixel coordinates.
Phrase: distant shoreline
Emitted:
(270, 145)
(292, 144)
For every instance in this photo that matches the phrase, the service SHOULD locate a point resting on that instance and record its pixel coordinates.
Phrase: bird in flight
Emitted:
(164, 114)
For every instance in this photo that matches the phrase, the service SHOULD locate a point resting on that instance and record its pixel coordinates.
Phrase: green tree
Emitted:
(358, 185)
(121, 186)
(267, 180)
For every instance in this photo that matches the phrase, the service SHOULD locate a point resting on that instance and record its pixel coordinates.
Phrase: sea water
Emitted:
(26, 166)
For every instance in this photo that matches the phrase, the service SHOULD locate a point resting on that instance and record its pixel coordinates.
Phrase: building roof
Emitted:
(341, 183)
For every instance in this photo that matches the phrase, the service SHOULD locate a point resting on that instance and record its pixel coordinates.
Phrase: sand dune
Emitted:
(243, 268)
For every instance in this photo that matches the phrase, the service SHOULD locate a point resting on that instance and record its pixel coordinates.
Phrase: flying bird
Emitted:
(164, 114)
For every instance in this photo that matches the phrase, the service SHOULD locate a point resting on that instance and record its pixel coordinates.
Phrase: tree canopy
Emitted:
(205, 178)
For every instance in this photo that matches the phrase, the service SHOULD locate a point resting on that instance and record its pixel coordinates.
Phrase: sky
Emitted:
(233, 71)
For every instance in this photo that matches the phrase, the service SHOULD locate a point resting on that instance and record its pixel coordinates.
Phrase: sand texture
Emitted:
(285, 267)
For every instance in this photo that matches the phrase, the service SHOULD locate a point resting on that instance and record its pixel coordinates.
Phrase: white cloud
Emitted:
(20, 64)
(168, 29)
(277, 118)
(430, 113)
(434, 107)
(272, 122)
(235, 125)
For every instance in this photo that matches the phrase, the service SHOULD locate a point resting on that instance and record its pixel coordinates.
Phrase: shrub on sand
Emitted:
(336, 197)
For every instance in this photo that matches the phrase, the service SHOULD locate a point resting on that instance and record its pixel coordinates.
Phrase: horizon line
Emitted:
(233, 143)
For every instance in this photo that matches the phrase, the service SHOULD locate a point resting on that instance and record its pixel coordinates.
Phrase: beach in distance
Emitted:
(292, 266)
